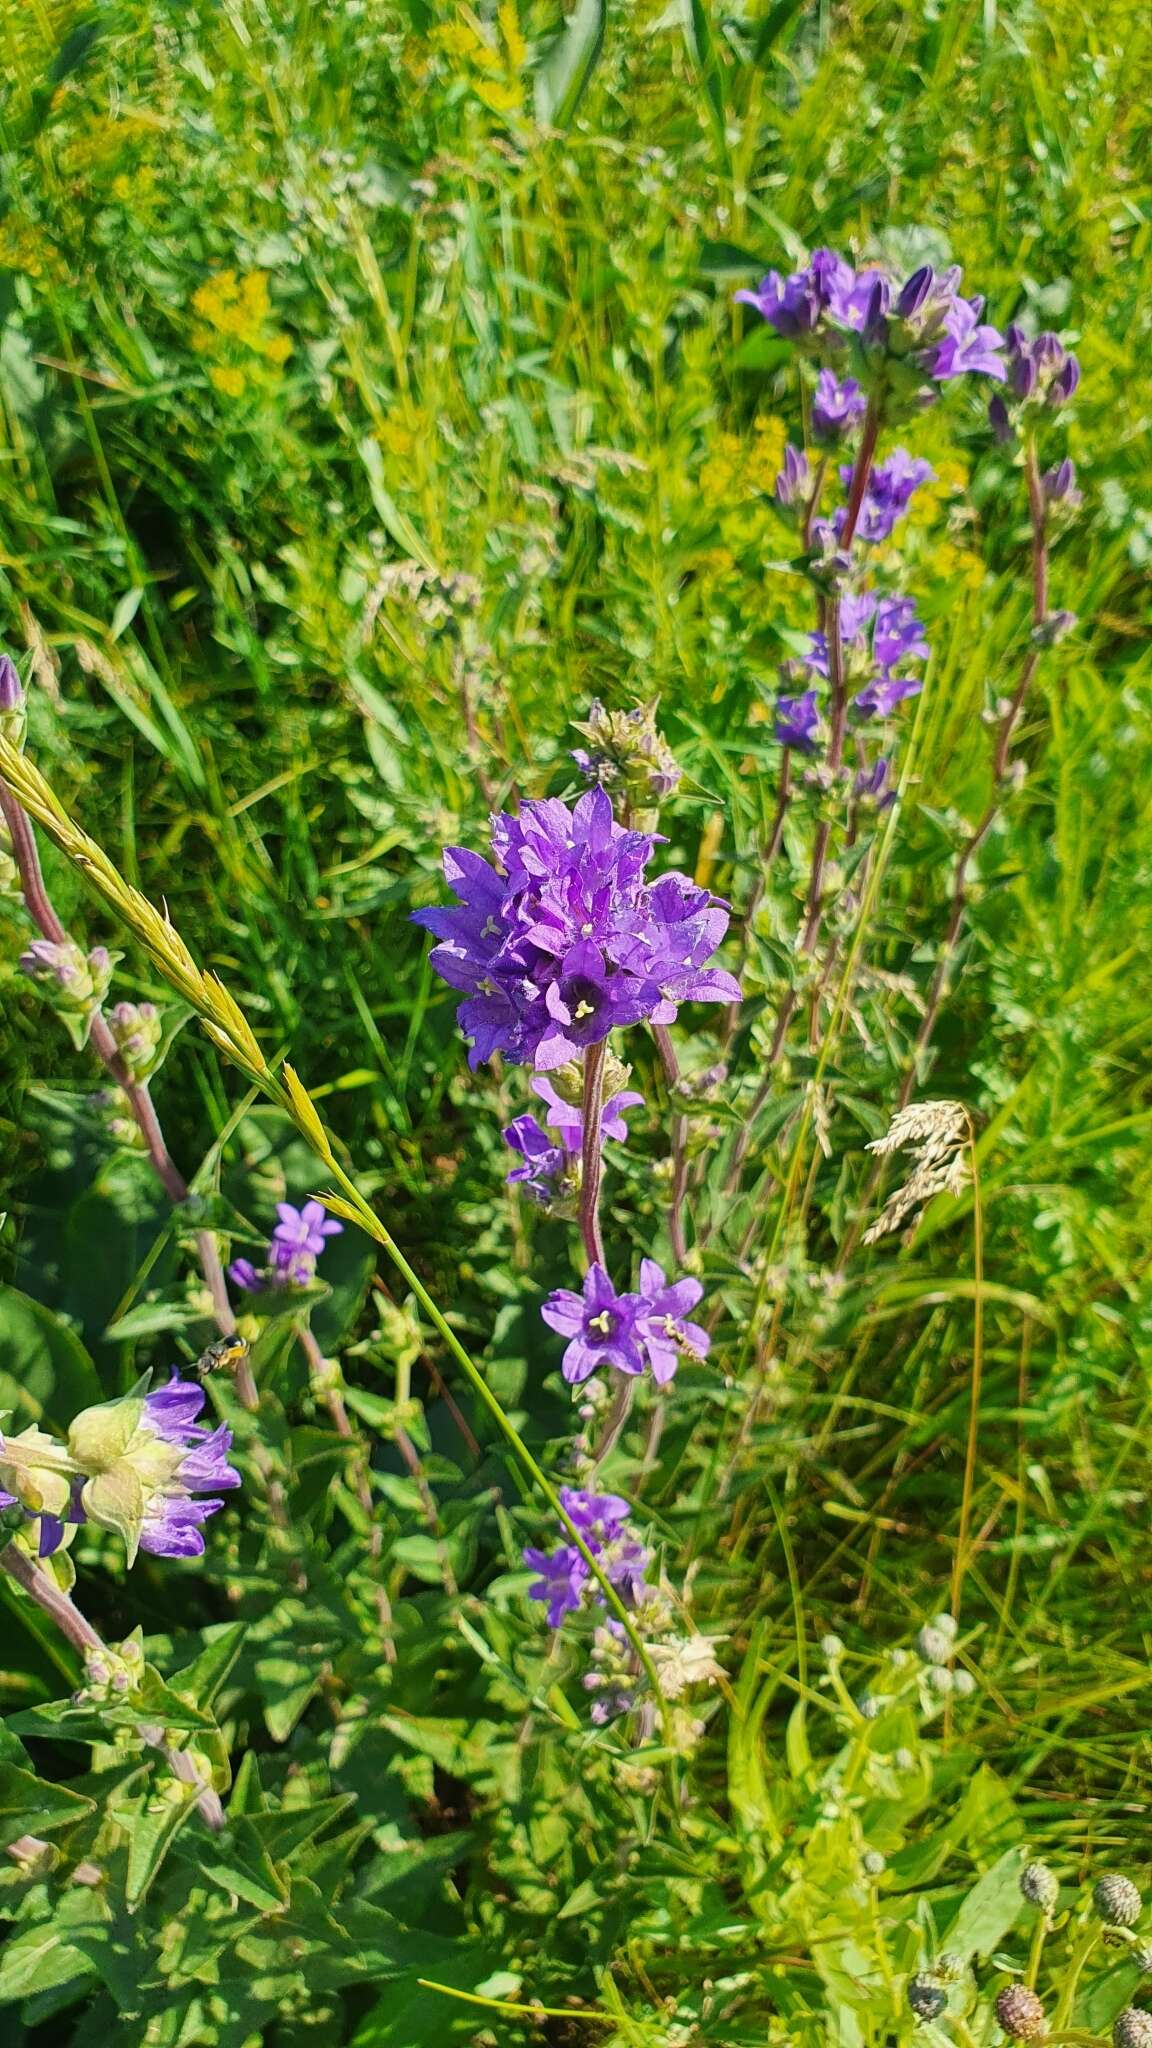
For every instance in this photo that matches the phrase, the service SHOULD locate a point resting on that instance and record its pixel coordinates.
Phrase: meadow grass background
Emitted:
(294, 296)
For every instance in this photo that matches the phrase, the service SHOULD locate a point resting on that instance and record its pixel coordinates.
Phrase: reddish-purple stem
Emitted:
(592, 1151)
(42, 911)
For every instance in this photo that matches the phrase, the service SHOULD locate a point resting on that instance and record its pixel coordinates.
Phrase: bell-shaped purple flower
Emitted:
(600, 1326)
(798, 722)
(837, 407)
(662, 1325)
(563, 1577)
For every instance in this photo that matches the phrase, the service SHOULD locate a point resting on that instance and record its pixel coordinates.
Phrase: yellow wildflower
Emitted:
(226, 379)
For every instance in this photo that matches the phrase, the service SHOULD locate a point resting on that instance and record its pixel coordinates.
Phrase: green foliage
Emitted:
(373, 400)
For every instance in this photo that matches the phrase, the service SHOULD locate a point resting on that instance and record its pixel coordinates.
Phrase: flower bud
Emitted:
(873, 1863)
(926, 1998)
(916, 290)
(1117, 1900)
(793, 482)
(831, 1649)
(32, 1855)
(934, 1644)
(1132, 2028)
(999, 419)
(628, 755)
(138, 1030)
(1064, 382)
(11, 701)
(1020, 2013)
(1141, 1954)
(1040, 1886)
(1059, 483)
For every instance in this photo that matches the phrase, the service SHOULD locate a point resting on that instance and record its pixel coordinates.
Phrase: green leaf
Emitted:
(46, 1374)
(562, 77)
(29, 1806)
(201, 1680)
(990, 1909)
(397, 522)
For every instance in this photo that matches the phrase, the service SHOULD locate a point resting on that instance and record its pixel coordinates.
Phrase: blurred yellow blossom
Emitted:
(236, 312)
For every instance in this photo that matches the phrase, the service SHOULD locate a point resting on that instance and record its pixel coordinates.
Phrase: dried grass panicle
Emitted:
(936, 1134)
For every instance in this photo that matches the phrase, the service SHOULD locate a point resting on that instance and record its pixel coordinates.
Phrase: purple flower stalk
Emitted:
(565, 939)
(897, 637)
(602, 1519)
(888, 494)
(926, 321)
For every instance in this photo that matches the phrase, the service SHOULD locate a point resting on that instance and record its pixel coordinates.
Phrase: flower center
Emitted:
(603, 1324)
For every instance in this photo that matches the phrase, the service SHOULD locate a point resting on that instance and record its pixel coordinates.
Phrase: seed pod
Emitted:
(1020, 2013)
(928, 1999)
(1117, 1900)
(1040, 1886)
(1132, 2028)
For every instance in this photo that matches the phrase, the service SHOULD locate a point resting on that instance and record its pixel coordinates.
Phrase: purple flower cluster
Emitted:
(563, 938)
(550, 1154)
(171, 1461)
(628, 1331)
(879, 636)
(173, 1514)
(1040, 370)
(294, 1247)
(602, 1519)
(926, 322)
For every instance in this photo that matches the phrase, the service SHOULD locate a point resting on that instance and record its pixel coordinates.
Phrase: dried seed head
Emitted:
(936, 1135)
(928, 1999)
(1020, 2013)
(1117, 1900)
(1132, 2028)
(1040, 1886)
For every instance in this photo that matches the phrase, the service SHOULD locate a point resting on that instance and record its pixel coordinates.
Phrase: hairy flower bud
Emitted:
(1020, 2013)
(1117, 1900)
(926, 1998)
(1132, 2028)
(75, 983)
(627, 754)
(934, 1644)
(1040, 1886)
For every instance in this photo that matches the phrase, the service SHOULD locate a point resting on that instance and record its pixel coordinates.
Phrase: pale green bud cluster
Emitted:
(138, 1031)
